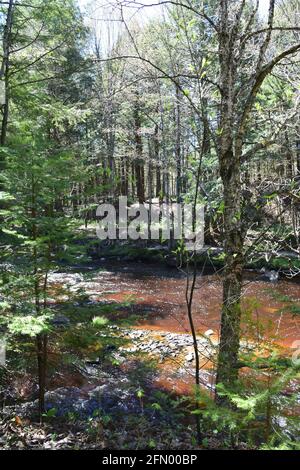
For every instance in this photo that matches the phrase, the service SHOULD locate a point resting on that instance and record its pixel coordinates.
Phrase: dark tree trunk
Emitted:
(156, 157)
(41, 342)
(230, 147)
(178, 145)
(4, 78)
(139, 162)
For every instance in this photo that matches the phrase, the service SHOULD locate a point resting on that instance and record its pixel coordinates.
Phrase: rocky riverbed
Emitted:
(112, 390)
(166, 345)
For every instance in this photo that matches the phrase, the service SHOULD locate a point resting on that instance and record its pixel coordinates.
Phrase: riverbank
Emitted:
(284, 263)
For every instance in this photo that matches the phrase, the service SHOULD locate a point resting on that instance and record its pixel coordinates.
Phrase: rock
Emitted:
(171, 261)
(127, 258)
(60, 321)
(189, 357)
(98, 391)
(270, 276)
(110, 347)
(209, 333)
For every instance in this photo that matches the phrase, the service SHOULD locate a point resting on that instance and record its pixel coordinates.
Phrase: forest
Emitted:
(150, 225)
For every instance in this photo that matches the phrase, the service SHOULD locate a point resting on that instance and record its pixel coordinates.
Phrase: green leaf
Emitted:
(5, 196)
(30, 325)
(99, 322)
(140, 393)
(50, 413)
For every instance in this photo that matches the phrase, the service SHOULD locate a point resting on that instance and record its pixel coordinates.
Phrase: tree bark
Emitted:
(5, 70)
(229, 161)
(177, 120)
(139, 162)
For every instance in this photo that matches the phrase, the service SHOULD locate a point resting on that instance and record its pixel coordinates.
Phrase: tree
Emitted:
(235, 117)
(242, 60)
(40, 142)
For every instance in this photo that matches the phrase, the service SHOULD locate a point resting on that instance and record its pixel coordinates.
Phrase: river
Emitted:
(159, 292)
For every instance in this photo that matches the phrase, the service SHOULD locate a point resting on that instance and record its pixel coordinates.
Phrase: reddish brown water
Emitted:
(160, 292)
(156, 296)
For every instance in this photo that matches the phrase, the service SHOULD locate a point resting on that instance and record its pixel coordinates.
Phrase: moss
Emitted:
(283, 263)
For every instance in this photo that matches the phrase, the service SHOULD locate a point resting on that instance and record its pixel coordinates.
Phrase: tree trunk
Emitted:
(230, 148)
(178, 146)
(5, 69)
(41, 342)
(139, 162)
(227, 372)
(156, 157)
